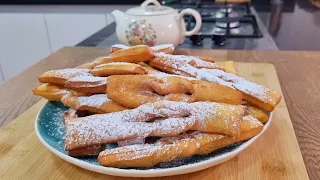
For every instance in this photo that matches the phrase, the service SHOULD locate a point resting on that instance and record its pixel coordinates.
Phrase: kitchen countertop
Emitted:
(289, 26)
(107, 37)
(298, 74)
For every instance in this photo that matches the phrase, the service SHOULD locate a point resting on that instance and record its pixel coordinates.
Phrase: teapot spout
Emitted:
(117, 15)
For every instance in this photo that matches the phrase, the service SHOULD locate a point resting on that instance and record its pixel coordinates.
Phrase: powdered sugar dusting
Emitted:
(69, 73)
(88, 79)
(183, 63)
(156, 48)
(239, 83)
(115, 63)
(132, 152)
(138, 140)
(215, 75)
(164, 75)
(253, 121)
(134, 123)
(96, 100)
(162, 46)
(120, 46)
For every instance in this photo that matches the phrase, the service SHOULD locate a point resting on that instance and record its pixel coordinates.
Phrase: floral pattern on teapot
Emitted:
(141, 32)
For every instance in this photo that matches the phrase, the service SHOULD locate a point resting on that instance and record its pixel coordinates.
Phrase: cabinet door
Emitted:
(70, 29)
(23, 41)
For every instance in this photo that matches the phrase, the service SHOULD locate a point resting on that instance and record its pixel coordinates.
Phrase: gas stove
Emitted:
(230, 26)
(219, 21)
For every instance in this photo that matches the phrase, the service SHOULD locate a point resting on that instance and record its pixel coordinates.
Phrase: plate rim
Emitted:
(184, 169)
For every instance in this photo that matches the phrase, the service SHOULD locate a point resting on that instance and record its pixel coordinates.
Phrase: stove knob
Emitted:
(197, 39)
(219, 39)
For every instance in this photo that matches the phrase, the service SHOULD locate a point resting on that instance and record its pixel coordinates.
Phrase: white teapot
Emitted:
(153, 24)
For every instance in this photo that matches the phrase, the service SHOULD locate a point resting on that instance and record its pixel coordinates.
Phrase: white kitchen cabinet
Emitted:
(69, 29)
(23, 41)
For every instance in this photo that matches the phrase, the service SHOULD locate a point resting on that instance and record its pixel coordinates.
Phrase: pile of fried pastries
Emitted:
(155, 105)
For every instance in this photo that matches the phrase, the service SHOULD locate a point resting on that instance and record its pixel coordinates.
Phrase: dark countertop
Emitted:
(291, 26)
(107, 37)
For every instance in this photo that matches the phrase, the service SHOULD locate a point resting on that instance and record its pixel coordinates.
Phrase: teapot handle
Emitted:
(196, 16)
(147, 2)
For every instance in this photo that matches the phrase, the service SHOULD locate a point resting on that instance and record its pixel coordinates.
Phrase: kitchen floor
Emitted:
(297, 29)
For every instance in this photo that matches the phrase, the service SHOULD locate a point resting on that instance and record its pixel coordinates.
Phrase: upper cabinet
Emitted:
(23, 41)
(66, 29)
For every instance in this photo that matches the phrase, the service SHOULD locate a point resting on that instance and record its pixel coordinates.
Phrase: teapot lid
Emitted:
(145, 10)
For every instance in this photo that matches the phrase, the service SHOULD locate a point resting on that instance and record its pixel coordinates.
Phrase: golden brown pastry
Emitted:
(148, 68)
(205, 58)
(53, 92)
(62, 75)
(97, 103)
(132, 91)
(135, 54)
(254, 94)
(170, 148)
(89, 65)
(257, 113)
(229, 66)
(87, 84)
(165, 48)
(176, 117)
(117, 68)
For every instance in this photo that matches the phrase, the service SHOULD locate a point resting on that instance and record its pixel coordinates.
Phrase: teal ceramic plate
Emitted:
(51, 132)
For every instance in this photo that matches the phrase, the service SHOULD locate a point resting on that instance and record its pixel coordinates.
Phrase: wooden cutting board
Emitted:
(275, 155)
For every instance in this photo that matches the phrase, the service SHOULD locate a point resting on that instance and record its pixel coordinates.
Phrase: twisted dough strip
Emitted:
(98, 103)
(170, 148)
(254, 94)
(178, 117)
(53, 92)
(87, 84)
(70, 114)
(165, 48)
(135, 54)
(117, 68)
(132, 91)
(257, 113)
(60, 76)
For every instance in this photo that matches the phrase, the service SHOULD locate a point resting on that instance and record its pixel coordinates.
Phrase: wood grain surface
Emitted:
(275, 155)
(298, 73)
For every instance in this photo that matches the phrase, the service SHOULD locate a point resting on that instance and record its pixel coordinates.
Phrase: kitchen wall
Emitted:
(30, 33)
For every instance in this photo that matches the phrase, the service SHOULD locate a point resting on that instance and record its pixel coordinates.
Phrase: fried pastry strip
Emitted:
(148, 68)
(177, 117)
(60, 76)
(137, 140)
(170, 148)
(229, 66)
(89, 65)
(117, 68)
(97, 103)
(205, 58)
(255, 94)
(132, 91)
(257, 113)
(135, 54)
(53, 92)
(165, 48)
(87, 84)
